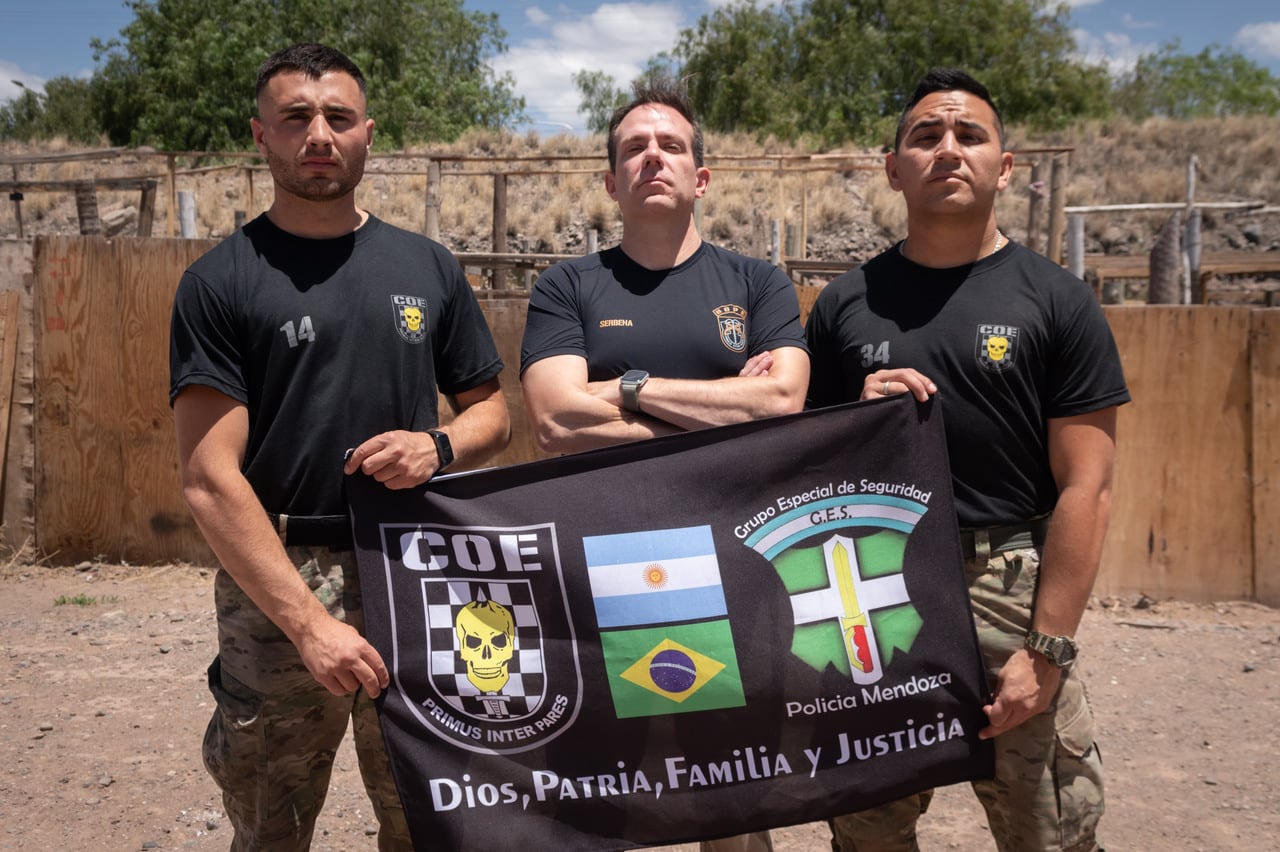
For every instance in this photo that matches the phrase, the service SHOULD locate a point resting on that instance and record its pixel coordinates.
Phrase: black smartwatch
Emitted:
(444, 450)
(630, 383)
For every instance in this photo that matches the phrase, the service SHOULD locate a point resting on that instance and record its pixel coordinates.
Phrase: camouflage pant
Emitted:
(274, 732)
(1047, 791)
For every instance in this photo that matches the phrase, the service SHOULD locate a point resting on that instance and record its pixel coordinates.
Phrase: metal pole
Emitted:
(1190, 267)
(1191, 252)
(1075, 244)
(434, 195)
(187, 214)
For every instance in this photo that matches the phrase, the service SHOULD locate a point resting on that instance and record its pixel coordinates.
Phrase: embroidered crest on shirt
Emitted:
(733, 326)
(411, 317)
(997, 347)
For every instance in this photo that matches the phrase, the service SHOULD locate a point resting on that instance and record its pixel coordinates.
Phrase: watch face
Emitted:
(634, 376)
(1064, 652)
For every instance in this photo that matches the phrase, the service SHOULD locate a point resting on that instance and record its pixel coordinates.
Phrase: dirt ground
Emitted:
(103, 704)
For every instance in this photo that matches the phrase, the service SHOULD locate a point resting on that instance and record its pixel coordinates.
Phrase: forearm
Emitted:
(1070, 559)
(583, 421)
(247, 546)
(776, 386)
(479, 431)
(693, 404)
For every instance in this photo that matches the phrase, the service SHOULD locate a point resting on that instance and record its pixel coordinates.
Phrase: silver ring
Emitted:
(885, 392)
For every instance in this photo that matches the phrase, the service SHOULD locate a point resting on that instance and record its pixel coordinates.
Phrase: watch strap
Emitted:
(1059, 650)
(629, 387)
(444, 449)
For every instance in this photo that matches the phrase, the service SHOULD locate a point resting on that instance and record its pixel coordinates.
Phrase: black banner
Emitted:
(700, 635)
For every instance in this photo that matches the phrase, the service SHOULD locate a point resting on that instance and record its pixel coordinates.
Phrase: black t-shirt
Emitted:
(700, 320)
(1011, 341)
(327, 343)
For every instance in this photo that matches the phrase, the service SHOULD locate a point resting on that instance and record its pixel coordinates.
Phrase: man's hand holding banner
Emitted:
(694, 636)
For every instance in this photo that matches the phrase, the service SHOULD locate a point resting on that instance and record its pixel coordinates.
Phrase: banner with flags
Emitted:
(689, 637)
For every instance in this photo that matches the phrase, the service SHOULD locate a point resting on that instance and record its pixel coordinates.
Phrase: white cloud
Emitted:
(536, 16)
(1115, 50)
(1133, 23)
(1076, 4)
(9, 73)
(1260, 40)
(616, 38)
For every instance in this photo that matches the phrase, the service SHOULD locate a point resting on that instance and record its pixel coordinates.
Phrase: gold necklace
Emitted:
(1000, 242)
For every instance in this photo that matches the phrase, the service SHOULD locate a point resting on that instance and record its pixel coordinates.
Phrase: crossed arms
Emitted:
(568, 413)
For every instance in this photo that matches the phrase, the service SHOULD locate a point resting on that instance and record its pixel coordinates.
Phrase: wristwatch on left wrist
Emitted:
(630, 384)
(1059, 650)
(444, 449)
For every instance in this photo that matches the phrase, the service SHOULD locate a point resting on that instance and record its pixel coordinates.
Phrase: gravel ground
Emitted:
(103, 705)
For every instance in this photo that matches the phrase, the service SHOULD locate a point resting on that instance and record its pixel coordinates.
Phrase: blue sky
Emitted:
(548, 41)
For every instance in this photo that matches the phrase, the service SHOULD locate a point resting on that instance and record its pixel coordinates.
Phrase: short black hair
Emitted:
(947, 80)
(666, 91)
(313, 60)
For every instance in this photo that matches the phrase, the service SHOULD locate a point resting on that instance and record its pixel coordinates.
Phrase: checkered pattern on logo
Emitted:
(524, 691)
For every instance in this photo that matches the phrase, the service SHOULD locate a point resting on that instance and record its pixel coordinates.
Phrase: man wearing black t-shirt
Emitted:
(314, 329)
(663, 333)
(1027, 372)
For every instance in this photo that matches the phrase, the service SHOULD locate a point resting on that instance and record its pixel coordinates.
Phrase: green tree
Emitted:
(599, 96)
(838, 70)
(19, 115)
(180, 75)
(1213, 83)
(62, 110)
(741, 64)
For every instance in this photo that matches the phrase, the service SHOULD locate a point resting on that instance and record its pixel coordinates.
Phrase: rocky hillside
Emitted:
(846, 214)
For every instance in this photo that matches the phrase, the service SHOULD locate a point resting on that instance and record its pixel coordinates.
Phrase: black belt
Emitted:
(1000, 539)
(331, 531)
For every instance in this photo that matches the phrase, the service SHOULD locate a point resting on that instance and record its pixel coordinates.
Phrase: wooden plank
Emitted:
(1211, 263)
(1182, 517)
(76, 458)
(18, 529)
(807, 294)
(119, 183)
(154, 522)
(10, 302)
(1265, 378)
(506, 319)
(106, 464)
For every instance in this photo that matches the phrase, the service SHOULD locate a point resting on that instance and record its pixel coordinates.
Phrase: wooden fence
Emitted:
(1196, 513)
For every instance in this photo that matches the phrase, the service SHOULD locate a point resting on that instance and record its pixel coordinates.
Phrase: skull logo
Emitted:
(486, 640)
(997, 347)
(413, 318)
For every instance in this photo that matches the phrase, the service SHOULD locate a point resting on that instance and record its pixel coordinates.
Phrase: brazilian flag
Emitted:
(673, 668)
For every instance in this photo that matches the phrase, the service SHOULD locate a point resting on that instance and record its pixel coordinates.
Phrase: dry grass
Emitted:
(1112, 162)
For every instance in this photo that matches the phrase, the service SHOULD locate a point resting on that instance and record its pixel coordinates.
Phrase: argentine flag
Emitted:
(654, 577)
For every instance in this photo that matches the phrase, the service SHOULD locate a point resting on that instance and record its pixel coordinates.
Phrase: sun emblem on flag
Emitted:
(655, 576)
